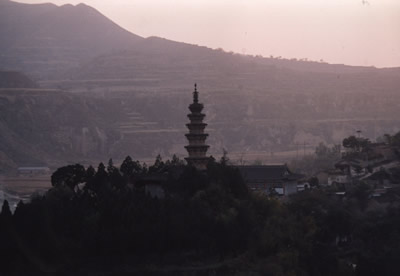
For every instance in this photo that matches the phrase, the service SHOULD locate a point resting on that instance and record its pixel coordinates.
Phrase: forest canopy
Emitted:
(205, 218)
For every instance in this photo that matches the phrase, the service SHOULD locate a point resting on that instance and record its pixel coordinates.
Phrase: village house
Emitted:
(337, 177)
(270, 179)
(378, 165)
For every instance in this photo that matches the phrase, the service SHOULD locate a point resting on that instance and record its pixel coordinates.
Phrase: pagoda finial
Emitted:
(195, 94)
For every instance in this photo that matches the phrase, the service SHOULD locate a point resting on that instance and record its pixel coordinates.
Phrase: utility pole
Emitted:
(297, 150)
(304, 148)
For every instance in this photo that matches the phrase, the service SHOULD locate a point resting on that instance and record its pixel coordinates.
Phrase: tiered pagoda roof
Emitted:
(197, 147)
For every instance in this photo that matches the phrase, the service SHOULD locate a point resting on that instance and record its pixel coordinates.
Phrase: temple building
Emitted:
(197, 147)
(269, 179)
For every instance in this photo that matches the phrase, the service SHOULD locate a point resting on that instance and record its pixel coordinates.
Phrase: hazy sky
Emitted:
(354, 32)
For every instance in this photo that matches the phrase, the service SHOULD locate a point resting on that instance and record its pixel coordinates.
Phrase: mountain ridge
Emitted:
(62, 37)
(44, 39)
(130, 95)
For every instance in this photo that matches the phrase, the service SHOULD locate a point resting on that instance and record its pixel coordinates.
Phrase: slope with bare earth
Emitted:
(44, 39)
(134, 101)
(12, 79)
(253, 104)
(49, 127)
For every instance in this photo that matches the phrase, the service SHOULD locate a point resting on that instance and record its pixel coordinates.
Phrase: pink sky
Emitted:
(353, 32)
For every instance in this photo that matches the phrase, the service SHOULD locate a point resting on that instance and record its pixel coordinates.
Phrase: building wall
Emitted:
(290, 188)
(337, 178)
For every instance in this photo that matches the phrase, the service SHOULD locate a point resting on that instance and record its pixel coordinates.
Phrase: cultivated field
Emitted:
(25, 185)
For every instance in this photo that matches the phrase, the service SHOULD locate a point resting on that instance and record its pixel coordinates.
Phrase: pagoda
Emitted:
(197, 147)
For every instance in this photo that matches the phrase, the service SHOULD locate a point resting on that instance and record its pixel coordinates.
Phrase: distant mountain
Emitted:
(130, 94)
(155, 63)
(44, 39)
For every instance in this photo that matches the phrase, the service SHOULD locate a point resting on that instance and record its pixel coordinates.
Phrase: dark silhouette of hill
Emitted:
(43, 39)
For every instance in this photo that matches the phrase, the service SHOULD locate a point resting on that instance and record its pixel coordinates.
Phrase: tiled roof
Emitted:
(267, 172)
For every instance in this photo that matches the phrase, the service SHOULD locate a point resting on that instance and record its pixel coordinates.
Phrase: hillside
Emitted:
(253, 104)
(50, 127)
(164, 60)
(135, 91)
(11, 79)
(44, 39)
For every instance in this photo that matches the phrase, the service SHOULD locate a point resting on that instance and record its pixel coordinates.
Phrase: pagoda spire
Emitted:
(195, 94)
(197, 147)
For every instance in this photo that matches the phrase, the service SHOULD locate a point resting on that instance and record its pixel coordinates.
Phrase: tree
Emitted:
(396, 140)
(176, 162)
(5, 210)
(224, 159)
(350, 142)
(387, 138)
(69, 176)
(158, 165)
(101, 171)
(361, 192)
(324, 158)
(110, 167)
(130, 167)
(321, 150)
(392, 140)
(356, 144)
(90, 172)
(314, 182)
(115, 178)
(127, 166)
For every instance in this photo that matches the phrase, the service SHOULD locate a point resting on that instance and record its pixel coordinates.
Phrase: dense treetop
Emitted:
(102, 219)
